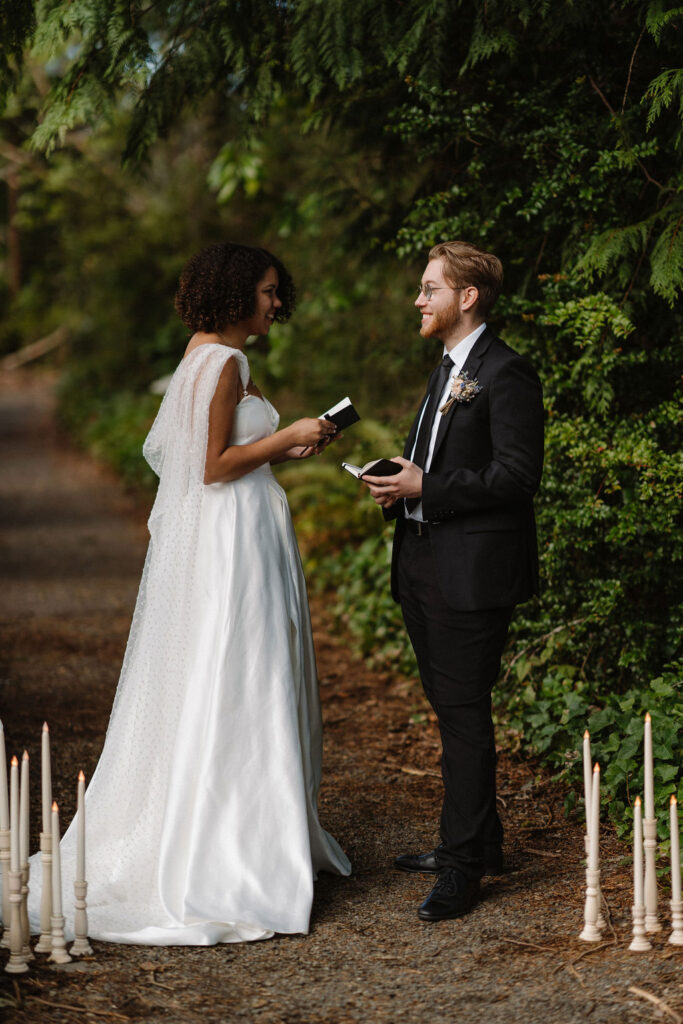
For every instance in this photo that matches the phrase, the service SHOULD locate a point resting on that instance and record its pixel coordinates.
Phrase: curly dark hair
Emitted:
(217, 286)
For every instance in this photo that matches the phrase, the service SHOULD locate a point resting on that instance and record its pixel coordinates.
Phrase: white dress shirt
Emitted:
(458, 354)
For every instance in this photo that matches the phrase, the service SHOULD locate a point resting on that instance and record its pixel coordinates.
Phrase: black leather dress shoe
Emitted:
(427, 863)
(422, 862)
(452, 896)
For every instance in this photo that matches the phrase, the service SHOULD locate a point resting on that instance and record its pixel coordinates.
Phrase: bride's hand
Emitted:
(312, 433)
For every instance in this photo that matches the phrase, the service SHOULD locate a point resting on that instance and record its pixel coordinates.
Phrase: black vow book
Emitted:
(378, 467)
(342, 414)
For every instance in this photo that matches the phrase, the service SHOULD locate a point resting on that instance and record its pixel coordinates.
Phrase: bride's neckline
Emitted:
(218, 344)
(212, 344)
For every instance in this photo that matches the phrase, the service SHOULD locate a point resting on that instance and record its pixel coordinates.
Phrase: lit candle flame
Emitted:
(81, 776)
(647, 716)
(14, 762)
(637, 801)
(45, 727)
(596, 767)
(55, 805)
(586, 735)
(673, 800)
(25, 756)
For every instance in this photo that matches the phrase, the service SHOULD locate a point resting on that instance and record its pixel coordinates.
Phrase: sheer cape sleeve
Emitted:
(175, 447)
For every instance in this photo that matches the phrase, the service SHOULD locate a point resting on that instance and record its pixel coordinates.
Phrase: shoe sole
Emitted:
(432, 919)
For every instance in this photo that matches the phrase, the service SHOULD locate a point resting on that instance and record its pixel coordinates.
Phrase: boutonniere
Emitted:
(463, 390)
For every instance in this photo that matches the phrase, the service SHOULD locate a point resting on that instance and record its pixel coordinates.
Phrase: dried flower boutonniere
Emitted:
(463, 390)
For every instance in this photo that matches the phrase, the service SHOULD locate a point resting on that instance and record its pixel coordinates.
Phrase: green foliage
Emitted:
(363, 605)
(552, 714)
(113, 431)
(17, 24)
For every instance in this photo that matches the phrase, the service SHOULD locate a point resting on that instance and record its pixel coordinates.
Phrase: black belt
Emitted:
(417, 528)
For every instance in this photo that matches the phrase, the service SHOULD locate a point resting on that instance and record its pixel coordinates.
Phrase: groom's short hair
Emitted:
(467, 264)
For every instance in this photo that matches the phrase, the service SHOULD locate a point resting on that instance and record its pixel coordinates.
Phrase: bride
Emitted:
(202, 824)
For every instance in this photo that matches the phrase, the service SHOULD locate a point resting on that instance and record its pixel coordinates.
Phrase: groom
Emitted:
(464, 550)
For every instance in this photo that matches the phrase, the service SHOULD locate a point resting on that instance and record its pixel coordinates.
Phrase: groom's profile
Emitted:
(464, 550)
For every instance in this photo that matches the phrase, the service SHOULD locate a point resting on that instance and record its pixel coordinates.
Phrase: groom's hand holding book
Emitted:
(405, 482)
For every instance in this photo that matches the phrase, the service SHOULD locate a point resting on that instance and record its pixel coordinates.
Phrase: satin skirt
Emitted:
(202, 822)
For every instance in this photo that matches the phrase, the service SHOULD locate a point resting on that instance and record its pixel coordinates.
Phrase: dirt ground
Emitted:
(71, 550)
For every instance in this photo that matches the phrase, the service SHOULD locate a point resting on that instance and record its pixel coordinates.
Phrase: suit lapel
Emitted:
(471, 365)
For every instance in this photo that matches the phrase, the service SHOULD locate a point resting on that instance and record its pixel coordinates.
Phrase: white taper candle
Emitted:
(80, 845)
(649, 769)
(594, 855)
(56, 864)
(637, 853)
(587, 777)
(14, 815)
(675, 851)
(46, 779)
(24, 812)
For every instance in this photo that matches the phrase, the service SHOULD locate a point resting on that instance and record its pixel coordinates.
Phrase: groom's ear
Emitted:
(469, 297)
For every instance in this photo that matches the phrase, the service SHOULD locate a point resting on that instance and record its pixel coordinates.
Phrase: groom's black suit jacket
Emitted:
(477, 495)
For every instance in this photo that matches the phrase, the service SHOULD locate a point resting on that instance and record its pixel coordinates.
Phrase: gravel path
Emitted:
(71, 550)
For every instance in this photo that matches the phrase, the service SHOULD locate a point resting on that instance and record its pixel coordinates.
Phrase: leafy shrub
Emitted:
(113, 430)
(551, 716)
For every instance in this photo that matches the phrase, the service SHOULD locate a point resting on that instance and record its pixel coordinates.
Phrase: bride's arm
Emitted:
(225, 461)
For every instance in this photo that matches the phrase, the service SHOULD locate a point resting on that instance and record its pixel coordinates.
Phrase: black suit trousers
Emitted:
(458, 655)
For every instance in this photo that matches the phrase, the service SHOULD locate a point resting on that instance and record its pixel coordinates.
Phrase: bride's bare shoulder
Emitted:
(201, 338)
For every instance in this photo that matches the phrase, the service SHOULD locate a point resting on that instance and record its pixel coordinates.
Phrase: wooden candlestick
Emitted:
(58, 954)
(650, 829)
(80, 946)
(44, 944)
(23, 854)
(587, 787)
(639, 943)
(17, 962)
(590, 932)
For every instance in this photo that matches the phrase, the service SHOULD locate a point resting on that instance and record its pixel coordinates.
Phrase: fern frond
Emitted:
(666, 260)
(662, 92)
(658, 18)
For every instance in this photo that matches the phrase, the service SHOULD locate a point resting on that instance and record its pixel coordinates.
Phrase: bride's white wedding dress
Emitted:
(201, 816)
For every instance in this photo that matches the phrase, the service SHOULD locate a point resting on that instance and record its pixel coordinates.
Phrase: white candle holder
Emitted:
(59, 953)
(25, 927)
(81, 946)
(4, 866)
(44, 944)
(650, 844)
(600, 922)
(640, 943)
(676, 937)
(590, 931)
(17, 961)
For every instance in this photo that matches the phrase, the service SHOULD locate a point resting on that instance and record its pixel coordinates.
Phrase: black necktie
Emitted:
(427, 422)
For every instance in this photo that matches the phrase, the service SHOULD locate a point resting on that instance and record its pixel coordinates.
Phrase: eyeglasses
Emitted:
(428, 289)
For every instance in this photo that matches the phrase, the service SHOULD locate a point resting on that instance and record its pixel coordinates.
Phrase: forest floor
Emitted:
(71, 551)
